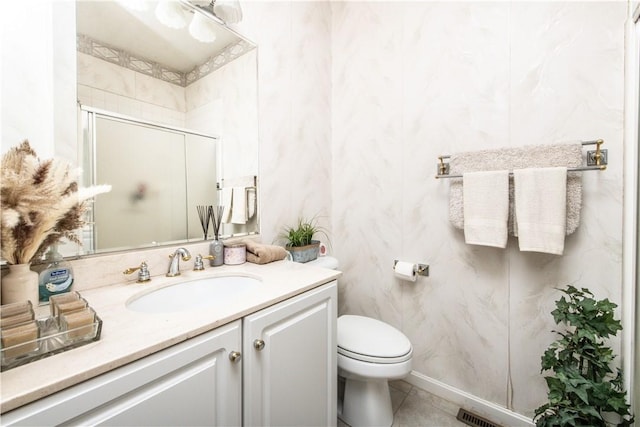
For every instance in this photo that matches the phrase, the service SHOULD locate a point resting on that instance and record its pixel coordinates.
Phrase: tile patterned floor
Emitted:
(413, 407)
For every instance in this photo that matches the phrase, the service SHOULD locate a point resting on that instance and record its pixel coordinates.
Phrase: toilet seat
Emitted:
(372, 359)
(370, 340)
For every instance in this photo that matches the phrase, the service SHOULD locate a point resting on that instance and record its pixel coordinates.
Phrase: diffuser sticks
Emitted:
(206, 215)
(216, 220)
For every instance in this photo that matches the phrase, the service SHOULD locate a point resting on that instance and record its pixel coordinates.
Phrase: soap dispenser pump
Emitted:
(57, 277)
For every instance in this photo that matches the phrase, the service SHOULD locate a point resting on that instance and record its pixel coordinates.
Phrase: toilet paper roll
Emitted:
(405, 271)
(322, 249)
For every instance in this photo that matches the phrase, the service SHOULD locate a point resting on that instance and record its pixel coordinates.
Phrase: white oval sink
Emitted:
(193, 294)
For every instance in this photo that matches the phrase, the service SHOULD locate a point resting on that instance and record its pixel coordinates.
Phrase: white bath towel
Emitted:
(540, 207)
(239, 211)
(486, 208)
(227, 202)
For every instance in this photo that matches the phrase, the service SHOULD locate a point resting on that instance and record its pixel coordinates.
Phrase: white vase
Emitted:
(20, 284)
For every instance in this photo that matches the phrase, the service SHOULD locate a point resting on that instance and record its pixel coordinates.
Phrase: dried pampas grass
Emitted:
(41, 203)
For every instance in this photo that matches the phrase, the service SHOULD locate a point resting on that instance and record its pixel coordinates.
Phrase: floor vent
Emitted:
(471, 419)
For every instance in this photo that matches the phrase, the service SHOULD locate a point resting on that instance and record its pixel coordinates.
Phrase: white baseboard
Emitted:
(483, 408)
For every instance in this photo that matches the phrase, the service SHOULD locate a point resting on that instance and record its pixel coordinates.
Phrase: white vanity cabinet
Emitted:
(194, 383)
(290, 367)
(274, 367)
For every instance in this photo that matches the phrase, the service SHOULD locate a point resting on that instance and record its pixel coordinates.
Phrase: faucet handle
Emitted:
(185, 257)
(143, 274)
(198, 264)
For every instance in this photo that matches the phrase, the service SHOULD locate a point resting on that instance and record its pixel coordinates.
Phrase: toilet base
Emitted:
(367, 403)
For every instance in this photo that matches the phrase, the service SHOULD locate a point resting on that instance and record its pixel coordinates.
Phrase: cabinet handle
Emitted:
(258, 344)
(235, 356)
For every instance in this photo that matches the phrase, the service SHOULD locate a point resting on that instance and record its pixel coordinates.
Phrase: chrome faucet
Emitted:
(174, 266)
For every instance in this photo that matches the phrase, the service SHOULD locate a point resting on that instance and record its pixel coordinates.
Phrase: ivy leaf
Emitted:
(568, 420)
(580, 391)
(555, 396)
(586, 334)
(587, 305)
(617, 403)
(590, 410)
(549, 359)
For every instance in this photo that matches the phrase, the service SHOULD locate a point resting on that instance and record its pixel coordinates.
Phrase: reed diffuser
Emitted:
(204, 213)
(216, 247)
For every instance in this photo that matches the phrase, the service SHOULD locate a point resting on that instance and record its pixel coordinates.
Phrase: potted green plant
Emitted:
(299, 239)
(583, 390)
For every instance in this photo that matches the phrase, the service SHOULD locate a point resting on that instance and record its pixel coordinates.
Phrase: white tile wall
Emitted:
(110, 87)
(27, 97)
(417, 79)
(294, 67)
(223, 103)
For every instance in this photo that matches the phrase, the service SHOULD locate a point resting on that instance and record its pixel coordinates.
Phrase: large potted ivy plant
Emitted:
(583, 388)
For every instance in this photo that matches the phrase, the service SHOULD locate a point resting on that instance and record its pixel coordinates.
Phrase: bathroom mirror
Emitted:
(170, 68)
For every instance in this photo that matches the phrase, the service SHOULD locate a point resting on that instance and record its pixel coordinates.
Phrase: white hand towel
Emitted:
(251, 202)
(227, 202)
(239, 211)
(540, 204)
(486, 208)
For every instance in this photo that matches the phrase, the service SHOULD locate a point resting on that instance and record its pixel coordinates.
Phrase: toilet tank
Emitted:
(325, 262)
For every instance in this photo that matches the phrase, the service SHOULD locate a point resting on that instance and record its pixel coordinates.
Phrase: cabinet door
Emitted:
(192, 383)
(290, 371)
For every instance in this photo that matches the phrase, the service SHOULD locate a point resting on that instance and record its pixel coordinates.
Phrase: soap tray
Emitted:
(52, 340)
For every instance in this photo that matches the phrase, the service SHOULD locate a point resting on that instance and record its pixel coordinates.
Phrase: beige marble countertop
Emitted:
(128, 335)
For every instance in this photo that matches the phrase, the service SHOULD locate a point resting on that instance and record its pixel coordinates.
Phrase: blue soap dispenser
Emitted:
(57, 277)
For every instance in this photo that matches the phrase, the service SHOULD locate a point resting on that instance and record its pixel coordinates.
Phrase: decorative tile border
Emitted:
(228, 54)
(89, 46)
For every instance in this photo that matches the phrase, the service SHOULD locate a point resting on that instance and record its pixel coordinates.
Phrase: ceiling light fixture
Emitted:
(202, 28)
(228, 10)
(171, 14)
(137, 5)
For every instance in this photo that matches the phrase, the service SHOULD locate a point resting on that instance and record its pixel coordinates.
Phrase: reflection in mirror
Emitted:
(169, 99)
(167, 171)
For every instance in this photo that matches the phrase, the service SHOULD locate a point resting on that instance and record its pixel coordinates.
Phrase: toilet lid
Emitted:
(325, 262)
(368, 339)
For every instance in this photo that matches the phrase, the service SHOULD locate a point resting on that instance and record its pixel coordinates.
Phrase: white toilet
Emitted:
(370, 353)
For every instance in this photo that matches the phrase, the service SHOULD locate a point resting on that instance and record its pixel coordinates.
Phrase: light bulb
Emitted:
(171, 14)
(202, 28)
(228, 10)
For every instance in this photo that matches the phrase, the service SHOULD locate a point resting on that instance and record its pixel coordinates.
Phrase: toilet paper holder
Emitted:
(419, 269)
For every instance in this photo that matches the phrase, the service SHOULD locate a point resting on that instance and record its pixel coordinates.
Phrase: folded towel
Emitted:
(227, 202)
(486, 208)
(540, 202)
(259, 253)
(239, 210)
(251, 202)
(567, 154)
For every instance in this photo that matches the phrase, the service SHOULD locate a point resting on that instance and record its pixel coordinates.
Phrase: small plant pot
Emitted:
(304, 253)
